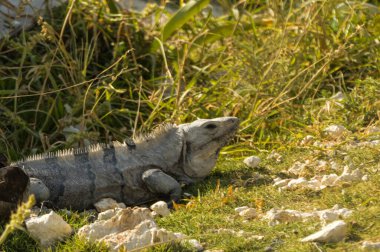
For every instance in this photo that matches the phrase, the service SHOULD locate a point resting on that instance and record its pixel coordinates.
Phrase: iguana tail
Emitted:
(13, 188)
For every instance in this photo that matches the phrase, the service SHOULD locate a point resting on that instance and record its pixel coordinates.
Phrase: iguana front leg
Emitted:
(39, 189)
(159, 182)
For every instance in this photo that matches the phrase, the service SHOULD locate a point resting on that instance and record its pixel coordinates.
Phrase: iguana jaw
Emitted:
(203, 141)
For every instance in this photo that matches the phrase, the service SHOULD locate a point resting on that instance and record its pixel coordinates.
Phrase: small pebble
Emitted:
(252, 161)
(161, 208)
(239, 209)
(249, 213)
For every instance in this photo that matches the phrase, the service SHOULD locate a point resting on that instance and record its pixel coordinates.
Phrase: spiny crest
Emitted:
(158, 132)
(70, 152)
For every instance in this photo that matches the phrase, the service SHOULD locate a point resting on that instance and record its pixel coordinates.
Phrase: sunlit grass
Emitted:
(104, 74)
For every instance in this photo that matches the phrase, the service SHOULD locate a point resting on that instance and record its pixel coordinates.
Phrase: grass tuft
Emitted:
(87, 73)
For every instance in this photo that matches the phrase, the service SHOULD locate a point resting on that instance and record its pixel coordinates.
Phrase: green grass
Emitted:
(273, 64)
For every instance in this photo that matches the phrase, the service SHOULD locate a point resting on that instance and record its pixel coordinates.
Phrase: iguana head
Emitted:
(203, 140)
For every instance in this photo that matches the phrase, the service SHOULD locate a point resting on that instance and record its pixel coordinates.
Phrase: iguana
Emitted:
(134, 173)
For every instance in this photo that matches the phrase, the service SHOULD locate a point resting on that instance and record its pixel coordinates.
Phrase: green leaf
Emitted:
(181, 17)
(216, 34)
(113, 7)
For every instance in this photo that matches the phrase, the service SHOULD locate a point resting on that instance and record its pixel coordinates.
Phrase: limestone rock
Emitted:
(105, 204)
(161, 208)
(124, 219)
(276, 216)
(319, 182)
(143, 234)
(195, 244)
(239, 209)
(349, 176)
(252, 161)
(129, 228)
(297, 182)
(281, 182)
(328, 216)
(48, 228)
(333, 232)
(248, 213)
(275, 156)
(335, 131)
(371, 246)
(307, 139)
(299, 168)
(108, 214)
(329, 180)
(372, 130)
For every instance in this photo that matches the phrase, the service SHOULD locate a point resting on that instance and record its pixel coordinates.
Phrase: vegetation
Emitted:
(91, 72)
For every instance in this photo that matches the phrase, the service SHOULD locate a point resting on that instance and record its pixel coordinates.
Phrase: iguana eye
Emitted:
(211, 126)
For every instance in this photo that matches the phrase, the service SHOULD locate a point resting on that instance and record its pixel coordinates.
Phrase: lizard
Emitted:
(155, 165)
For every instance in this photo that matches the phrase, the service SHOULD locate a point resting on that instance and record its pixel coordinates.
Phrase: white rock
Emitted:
(154, 214)
(371, 246)
(256, 237)
(277, 179)
(195, 244)
(333, 232)
(334, 165)
(328, 216)
(297, 182)
(335, 131)
(276, 156)
(307, 139)
(276, 216)
(180, 236)
(105, 204)
(365, 177)
(357, 174)
(281, 182)
(108, 214)
(349, 176)
(143, 234)
(161, 208)
(372, 130)
(129, 228)
(343, 212)
(48, 228)
(328, 180)
(299, 168)
(252, 161)
(239, 209)
(315, 184)
(321, 164)
(375, 142)
(124, 219)
(248, 214)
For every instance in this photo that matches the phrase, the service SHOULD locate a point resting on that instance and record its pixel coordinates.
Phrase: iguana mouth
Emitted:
(227, 136)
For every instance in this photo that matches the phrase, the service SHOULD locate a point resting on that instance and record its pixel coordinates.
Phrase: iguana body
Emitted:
(134, 174)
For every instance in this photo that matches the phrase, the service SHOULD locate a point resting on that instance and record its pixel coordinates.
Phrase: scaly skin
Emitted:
(156, 165)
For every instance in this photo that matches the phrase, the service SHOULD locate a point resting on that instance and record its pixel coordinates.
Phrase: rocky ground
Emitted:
(121, 227)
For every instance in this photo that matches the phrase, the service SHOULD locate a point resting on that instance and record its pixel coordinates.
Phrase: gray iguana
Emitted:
(157, 164)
